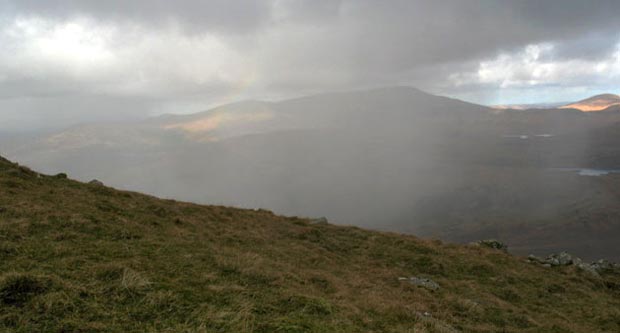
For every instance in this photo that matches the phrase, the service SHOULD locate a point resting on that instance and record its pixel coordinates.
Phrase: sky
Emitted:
(69, 61)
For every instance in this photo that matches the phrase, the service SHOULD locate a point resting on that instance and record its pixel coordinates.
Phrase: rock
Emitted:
(424, 283)
(602, 266)
(95, 182)
(493, 244)
(437, 325)
(319, 221)
(587, 268)
(565, 259)
(534, 259)
(562, 259)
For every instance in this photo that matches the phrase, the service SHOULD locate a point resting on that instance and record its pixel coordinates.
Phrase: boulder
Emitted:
(587, 268)
(561, 259)
(602, 265)
(534, 259)
(553, 261)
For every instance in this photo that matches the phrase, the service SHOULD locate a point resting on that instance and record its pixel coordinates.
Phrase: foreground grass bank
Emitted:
(78, 257)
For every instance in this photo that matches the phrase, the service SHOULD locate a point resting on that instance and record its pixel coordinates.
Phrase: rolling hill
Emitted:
(594, 103)
(80, 257)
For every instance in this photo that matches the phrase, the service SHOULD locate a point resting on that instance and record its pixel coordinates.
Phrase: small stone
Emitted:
(424, 282)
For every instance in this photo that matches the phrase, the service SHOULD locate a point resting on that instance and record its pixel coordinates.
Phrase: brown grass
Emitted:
(93, 259)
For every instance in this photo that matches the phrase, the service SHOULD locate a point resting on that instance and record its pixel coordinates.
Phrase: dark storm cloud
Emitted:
(594, 46)
(413, 33)
(169, 50)
(393, 32)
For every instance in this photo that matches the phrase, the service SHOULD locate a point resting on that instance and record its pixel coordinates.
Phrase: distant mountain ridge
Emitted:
(319, 111)
(594, 103)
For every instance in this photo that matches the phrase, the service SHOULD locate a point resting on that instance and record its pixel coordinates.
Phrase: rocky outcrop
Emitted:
(564, 259)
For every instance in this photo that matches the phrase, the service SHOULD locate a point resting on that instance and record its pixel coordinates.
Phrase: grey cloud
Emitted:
(293, 47)
(48, 112)
(216, 15)
(590, 47)
(410, 33)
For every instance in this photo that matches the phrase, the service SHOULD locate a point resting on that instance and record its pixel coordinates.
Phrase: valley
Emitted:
(394, 159)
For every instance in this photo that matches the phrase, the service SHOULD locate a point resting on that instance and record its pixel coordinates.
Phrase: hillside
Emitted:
(87, 258)
(594, 103)
(392, 159)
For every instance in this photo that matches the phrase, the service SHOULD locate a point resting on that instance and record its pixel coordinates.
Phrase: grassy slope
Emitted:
(84, 258)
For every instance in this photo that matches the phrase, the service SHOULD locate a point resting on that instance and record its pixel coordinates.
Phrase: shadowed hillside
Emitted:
(87, 258)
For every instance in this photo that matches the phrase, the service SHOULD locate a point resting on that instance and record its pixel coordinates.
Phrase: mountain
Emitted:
(395, 159)
(82, 257)
(315, 155)
(377, 107)
(594, 103)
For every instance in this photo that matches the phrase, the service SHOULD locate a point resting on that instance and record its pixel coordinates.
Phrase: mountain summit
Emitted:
(594, 103)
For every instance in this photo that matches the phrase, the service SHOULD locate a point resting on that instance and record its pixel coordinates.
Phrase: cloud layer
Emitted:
(160, 56)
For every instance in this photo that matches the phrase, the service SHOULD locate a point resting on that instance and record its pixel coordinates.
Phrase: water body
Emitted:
(527, 136)
(517, 136)
(588, 171)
